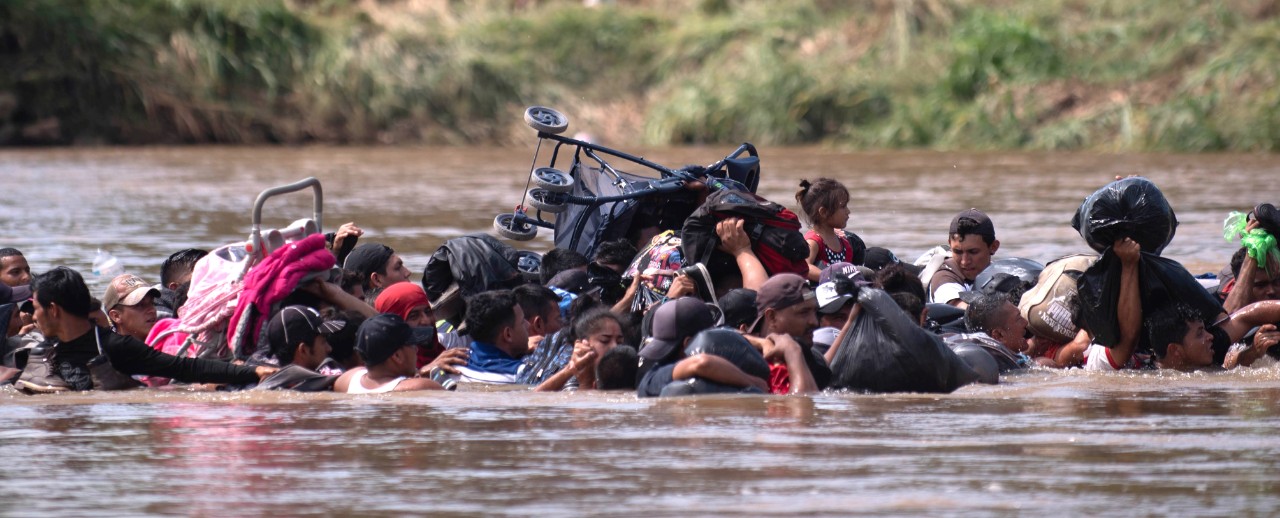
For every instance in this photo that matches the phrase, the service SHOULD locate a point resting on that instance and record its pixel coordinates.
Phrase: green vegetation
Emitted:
(1168, 75)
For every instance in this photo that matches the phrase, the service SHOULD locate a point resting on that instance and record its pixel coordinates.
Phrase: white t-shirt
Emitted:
(1099, 358)
(948, 292)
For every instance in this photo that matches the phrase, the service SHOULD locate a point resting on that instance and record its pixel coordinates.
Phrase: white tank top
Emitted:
(356, 387)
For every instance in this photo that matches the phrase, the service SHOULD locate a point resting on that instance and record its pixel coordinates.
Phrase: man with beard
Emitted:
(786, 315)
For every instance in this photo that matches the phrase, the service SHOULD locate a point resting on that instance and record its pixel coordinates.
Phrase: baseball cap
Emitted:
(738, 306)
(982, 224)
(832, 270)
(127, 290)
(367, 259)
(779, 292)
(14, 294)
(294, 324)
(380, 336)
(878, 258)
(674, 321)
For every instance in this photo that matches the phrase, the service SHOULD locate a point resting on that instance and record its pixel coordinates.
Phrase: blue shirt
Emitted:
(489, 358)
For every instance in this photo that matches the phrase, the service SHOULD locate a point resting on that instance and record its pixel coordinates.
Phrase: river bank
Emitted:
(1113, 75)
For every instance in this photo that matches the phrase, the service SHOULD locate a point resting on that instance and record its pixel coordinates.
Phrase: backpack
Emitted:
(1051, 306)
(661, 254)
(774, 231)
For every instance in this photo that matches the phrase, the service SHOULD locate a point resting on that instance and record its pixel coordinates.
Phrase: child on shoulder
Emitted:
(825, 204)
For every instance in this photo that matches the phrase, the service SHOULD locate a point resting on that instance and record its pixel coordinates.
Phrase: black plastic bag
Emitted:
(697, 387)
(730, 345)
(1162, 283)
(477, 262)
(886, 351)
(1132, 207)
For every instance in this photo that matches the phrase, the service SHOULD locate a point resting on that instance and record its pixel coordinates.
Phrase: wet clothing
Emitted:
(1006, 359)
(552, 355)
(355, 386)
(780, 375)
(488, 364)
(947, 283)
(652, 383)
(130, 356)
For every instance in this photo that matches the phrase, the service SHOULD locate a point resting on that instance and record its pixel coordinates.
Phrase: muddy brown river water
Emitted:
(1042, 443)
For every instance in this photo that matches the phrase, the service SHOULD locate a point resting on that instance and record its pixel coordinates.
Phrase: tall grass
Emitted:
(1180, 75)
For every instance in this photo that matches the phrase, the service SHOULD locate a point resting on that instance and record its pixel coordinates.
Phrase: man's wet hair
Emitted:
(909, 303)
(348, 280)
(967, 226)
(895, 278)
(1169, 325)
(10, 252)
(488, 313)
(983, 310)
(65, 288)
(616, 370)
(558, 260)
(179, 263)
(536, 300)
(616, 252)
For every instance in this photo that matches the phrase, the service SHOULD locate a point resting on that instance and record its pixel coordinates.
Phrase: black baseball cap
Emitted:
(674, 321)
(738, 307)
(294, 324)
(878, 258)
(981, 225)
(381, 336)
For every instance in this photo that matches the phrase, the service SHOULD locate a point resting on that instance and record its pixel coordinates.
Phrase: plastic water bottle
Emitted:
(106, 266)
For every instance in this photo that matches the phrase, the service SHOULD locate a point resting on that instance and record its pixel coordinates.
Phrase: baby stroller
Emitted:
(595, 202)
(214, 299)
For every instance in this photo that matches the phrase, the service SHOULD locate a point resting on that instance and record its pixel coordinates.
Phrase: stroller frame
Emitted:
(520, 226)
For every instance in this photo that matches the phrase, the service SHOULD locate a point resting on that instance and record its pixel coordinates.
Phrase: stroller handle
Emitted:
(317, 196)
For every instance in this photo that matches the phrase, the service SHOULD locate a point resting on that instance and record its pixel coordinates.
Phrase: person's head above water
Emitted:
(378, 265)
(130, 303)
(297, 335)
(1179, 339)
(61, 303)
(385, 343)
(993, 314)
(14, 270)
(972, 238)
(177, 268)
(824, 202)
(495, 318)
(786, 305)
(675, 322)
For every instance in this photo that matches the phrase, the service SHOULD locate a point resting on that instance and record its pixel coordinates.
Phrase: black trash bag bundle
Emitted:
(1132, 207)
(1026, 270)
(727, 344)
(477, 262)
(886, 351)
(1162, 283)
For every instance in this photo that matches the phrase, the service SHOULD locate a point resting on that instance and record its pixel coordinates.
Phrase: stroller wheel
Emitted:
(546, 120)
(507, 227)
(547, 201)
(553, 180)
